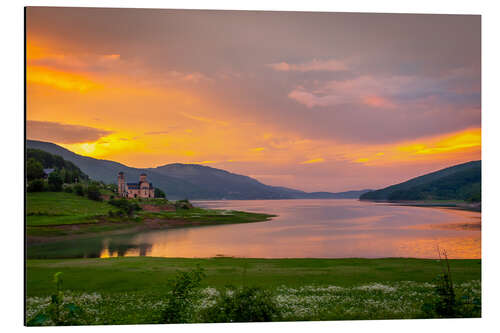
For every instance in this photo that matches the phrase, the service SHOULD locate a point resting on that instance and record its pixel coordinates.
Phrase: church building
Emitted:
(142, 189)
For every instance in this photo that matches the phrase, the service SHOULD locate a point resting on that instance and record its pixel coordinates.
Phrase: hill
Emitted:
(196, 182)
(459, 182)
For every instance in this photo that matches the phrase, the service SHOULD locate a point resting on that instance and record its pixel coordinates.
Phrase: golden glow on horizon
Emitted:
(457, 141)
(448, 145)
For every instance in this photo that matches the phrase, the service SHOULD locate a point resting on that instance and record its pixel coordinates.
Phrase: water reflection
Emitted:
(124, 248)
(304, 228)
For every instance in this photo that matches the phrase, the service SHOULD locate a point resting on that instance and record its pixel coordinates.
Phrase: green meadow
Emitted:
(127, 274)
(56, 208)
(135, 290)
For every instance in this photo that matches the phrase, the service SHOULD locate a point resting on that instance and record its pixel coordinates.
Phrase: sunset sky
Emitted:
(312, 101)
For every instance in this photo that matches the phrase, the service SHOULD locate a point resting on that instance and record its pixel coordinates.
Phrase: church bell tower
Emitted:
(121, 184)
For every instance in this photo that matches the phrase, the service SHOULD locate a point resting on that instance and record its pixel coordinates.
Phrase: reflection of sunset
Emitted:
(339, 230)
(106, 254)
(456, 247)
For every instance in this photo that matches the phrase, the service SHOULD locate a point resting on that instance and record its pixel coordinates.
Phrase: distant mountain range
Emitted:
(192, 181)
(459, 182)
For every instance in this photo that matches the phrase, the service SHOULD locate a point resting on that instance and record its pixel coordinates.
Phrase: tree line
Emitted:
(65, 172)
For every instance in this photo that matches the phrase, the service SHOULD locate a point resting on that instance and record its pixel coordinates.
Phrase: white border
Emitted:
(11, 20)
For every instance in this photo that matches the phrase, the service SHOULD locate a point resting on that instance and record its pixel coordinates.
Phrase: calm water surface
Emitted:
(303, 228)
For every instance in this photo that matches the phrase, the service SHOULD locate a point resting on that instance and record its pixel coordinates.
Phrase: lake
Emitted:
(302, 229)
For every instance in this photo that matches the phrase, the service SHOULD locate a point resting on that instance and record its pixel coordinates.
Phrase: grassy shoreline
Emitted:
(56, 216)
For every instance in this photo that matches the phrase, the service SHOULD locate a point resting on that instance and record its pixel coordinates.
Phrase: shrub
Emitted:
(180, 302)
(68, 189)
(444, 303)
(126, 206)
(183, 204)
(79, 189)
(93, 192)
(55, 181)
(247, 304)
(37, 185)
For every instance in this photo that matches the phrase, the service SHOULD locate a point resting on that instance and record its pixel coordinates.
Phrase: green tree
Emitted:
(159, 193)
(55, 181)
(36, 185)
(68, 176)
(34, 169)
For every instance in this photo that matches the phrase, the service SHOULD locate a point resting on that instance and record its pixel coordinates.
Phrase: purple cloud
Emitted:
(63, 133)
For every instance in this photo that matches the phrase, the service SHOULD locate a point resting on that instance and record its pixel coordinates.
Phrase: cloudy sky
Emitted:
(313, 101)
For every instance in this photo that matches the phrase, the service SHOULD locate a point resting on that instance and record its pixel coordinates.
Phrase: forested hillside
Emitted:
(459, 182)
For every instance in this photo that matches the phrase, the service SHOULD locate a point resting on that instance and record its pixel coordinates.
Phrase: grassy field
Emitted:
(56, 208)
(133, 290)
(59, 214)
(150, 274)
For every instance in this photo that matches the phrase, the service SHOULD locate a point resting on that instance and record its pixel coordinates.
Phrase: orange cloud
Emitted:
(315, 160)
(459, 145)
(468, 139)
(59, 79)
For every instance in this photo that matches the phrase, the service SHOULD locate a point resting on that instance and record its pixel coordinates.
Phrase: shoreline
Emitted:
(87, 230)
(473, 207)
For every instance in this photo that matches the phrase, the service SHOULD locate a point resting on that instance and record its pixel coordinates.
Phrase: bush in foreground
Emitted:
(247, 304)
(180, 302)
